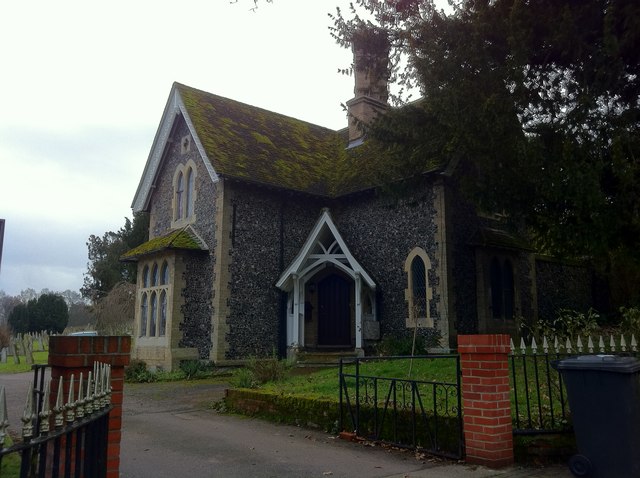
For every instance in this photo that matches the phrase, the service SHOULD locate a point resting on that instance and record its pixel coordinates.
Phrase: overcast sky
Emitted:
(84, 84)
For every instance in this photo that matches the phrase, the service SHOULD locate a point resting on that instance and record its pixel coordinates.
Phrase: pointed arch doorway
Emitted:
(326, 288)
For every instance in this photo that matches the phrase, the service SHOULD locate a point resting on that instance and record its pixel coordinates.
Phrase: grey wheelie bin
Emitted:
(604, 397)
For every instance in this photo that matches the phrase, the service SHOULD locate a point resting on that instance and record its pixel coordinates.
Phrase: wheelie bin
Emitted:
(604, 398)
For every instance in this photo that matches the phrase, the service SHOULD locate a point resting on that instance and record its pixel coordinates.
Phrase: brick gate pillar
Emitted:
(74, 354)
(486, 400)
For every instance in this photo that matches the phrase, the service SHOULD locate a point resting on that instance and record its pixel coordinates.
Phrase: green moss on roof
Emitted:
(180, 239)
(249, 143)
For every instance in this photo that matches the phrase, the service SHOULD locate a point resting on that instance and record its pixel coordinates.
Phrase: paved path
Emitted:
(175, 430)
(16, 386)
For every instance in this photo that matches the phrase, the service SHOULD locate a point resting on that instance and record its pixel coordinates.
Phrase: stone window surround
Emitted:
(183, 209)
(411, 320)
(155, 280)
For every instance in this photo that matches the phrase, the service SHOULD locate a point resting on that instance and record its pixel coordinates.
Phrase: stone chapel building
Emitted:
(270, 234)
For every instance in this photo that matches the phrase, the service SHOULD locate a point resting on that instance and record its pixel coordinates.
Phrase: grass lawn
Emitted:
(540, 398)
(324, 382)
(11, 463)
(10, 367)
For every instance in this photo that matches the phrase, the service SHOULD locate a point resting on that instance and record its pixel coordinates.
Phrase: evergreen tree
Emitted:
(47, 312)
(536, 103)
(104, 267)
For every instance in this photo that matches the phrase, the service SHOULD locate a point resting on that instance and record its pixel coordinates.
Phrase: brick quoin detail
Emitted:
(74, 355)
(487, 423)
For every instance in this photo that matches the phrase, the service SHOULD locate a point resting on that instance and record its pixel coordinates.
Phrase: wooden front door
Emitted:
(334, 312)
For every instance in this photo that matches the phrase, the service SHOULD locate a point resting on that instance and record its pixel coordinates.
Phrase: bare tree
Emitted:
(115, 312)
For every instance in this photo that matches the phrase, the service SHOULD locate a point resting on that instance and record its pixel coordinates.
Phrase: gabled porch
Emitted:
(331, 305)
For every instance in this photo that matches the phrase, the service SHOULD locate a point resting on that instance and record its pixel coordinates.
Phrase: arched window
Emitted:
(418, 293)
(164, 275)
(163, 314)
(143, 315)
(154, 314)
(154, 275)
(145, 277)
(190, 191)
(155, 296)
(419, 286)
(184, 187)
(179, 196)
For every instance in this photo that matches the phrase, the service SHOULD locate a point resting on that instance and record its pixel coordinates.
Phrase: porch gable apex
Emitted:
(320, 250)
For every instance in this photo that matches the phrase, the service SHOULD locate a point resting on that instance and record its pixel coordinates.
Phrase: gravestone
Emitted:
(27, 345)
(16, 352)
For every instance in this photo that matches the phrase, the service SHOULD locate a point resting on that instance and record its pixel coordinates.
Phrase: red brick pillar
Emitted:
(486, 400)
(74, 354)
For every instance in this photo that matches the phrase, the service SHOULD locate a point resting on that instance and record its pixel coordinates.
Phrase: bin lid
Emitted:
(605, 363)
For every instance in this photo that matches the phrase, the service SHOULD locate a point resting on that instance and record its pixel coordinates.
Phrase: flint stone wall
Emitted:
(197, 308)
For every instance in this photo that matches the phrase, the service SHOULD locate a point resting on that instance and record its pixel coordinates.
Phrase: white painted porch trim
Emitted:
(306, 265)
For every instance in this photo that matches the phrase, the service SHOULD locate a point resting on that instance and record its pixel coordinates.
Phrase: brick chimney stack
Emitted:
(371, 74)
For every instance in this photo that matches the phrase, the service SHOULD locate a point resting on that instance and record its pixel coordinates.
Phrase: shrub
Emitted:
(630, 321)
(243, 378)
(392, 345)
(194, 368)
(137, 372)
(268, 370)
(568, 324)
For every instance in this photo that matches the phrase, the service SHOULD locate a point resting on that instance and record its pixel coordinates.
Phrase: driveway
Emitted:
(170, 430)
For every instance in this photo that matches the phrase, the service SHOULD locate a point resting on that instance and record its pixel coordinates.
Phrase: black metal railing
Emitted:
(422, 414)
(539, 399)
(69, 440)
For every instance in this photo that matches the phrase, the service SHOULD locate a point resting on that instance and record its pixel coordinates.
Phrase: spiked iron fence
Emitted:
(69, 440)
(539, 399)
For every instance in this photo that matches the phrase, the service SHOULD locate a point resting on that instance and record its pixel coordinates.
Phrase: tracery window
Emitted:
(190, 191)
(418, 293)
(143, 315)
(154, 292)
(184, 186)
(179, 195)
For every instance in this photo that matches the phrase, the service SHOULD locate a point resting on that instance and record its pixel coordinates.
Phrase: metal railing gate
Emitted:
(419, 414)
(69, 441)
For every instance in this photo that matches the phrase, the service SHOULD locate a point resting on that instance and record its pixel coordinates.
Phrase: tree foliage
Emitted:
(47, 312)
(104, 267)
(537, 103)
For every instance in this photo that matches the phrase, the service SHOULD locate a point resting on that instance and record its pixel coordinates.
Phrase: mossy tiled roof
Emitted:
(182, 239)
(252, 144)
